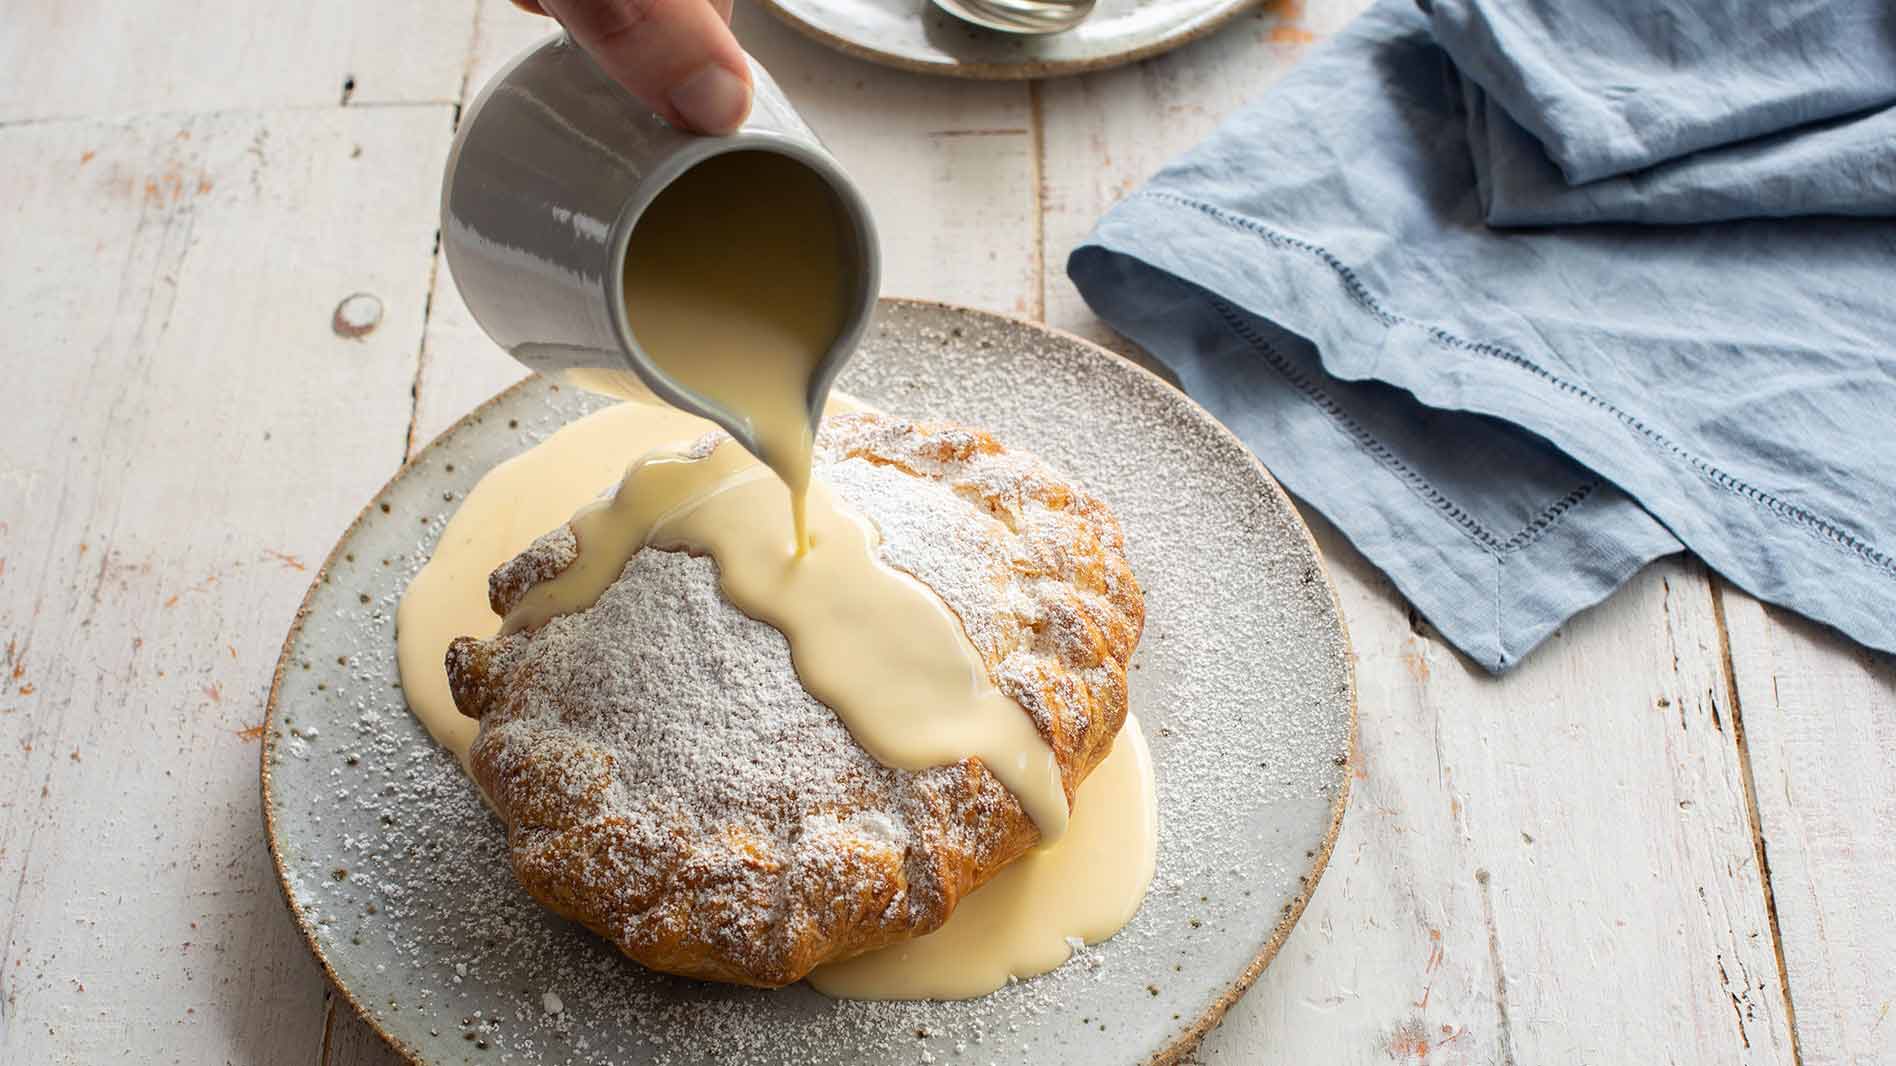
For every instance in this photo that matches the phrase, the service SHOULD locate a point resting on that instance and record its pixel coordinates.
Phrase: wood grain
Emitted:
(348, 1040)
(1819, 716)
(1553, 867)
(100, 57)
(460, 367)
(1106, 133)
(185, 433)
(1563, 866)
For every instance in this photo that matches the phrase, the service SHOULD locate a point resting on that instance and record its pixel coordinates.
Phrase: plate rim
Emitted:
(1168, 1055)
(1026, 70)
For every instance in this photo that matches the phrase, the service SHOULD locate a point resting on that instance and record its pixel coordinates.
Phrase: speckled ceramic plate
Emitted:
(398, 875)
(915, 35)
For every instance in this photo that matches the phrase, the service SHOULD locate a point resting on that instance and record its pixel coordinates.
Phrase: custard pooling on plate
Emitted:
(1032, 567)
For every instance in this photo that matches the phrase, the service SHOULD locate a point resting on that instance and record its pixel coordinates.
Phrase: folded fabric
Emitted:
(1843, 166)
(1611, 87)
(1597, 111)
(1479, 410)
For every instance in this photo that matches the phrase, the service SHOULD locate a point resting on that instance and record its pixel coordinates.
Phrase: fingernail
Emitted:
(712, 100)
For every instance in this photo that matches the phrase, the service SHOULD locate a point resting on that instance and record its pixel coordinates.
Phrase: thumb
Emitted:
(677, 56)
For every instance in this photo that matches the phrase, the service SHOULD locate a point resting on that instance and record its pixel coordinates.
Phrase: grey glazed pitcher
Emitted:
(549, 172)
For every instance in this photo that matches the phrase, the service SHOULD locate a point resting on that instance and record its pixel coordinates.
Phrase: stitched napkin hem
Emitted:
(1495, 592)
(1760, 541)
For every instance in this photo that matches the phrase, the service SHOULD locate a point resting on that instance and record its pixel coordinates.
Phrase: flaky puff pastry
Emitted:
(666, 781)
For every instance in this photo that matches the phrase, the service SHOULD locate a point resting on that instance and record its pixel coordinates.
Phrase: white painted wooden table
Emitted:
(1670, 837)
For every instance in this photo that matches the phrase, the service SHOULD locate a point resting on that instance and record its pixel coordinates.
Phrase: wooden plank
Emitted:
(1819, 716)
(188, 436)
(348, 1040)
(948, 169)
(501, 31)
(1553, 867)
(460, 366)
(102, 58)
(1106, 133)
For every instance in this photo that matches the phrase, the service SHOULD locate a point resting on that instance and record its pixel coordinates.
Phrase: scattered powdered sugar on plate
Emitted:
(399, 874)
(671, 781)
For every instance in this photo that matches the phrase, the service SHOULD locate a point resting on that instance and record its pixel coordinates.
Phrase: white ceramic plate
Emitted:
(398, 875)
(915, 35)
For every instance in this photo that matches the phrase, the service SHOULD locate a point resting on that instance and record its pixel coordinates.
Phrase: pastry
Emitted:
(666, 780)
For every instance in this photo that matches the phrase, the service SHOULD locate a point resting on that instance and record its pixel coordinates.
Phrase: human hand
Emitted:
(676, 56)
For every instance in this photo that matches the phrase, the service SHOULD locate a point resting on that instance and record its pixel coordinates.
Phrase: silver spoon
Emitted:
(1027, 17)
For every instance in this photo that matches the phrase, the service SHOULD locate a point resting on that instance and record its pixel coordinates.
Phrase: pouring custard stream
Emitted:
(737, 285)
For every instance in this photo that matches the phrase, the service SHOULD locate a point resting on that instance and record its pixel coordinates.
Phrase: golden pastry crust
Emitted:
(666, 782)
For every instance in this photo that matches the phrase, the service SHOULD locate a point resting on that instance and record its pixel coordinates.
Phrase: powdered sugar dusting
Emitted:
(999, 537)
(681, 721)
(1242, 681)
(668, 781)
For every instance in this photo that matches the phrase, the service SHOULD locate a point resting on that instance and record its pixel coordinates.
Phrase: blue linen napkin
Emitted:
(1696, 111)
(1512, 422)
(1610, 87)
(1845, 166)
